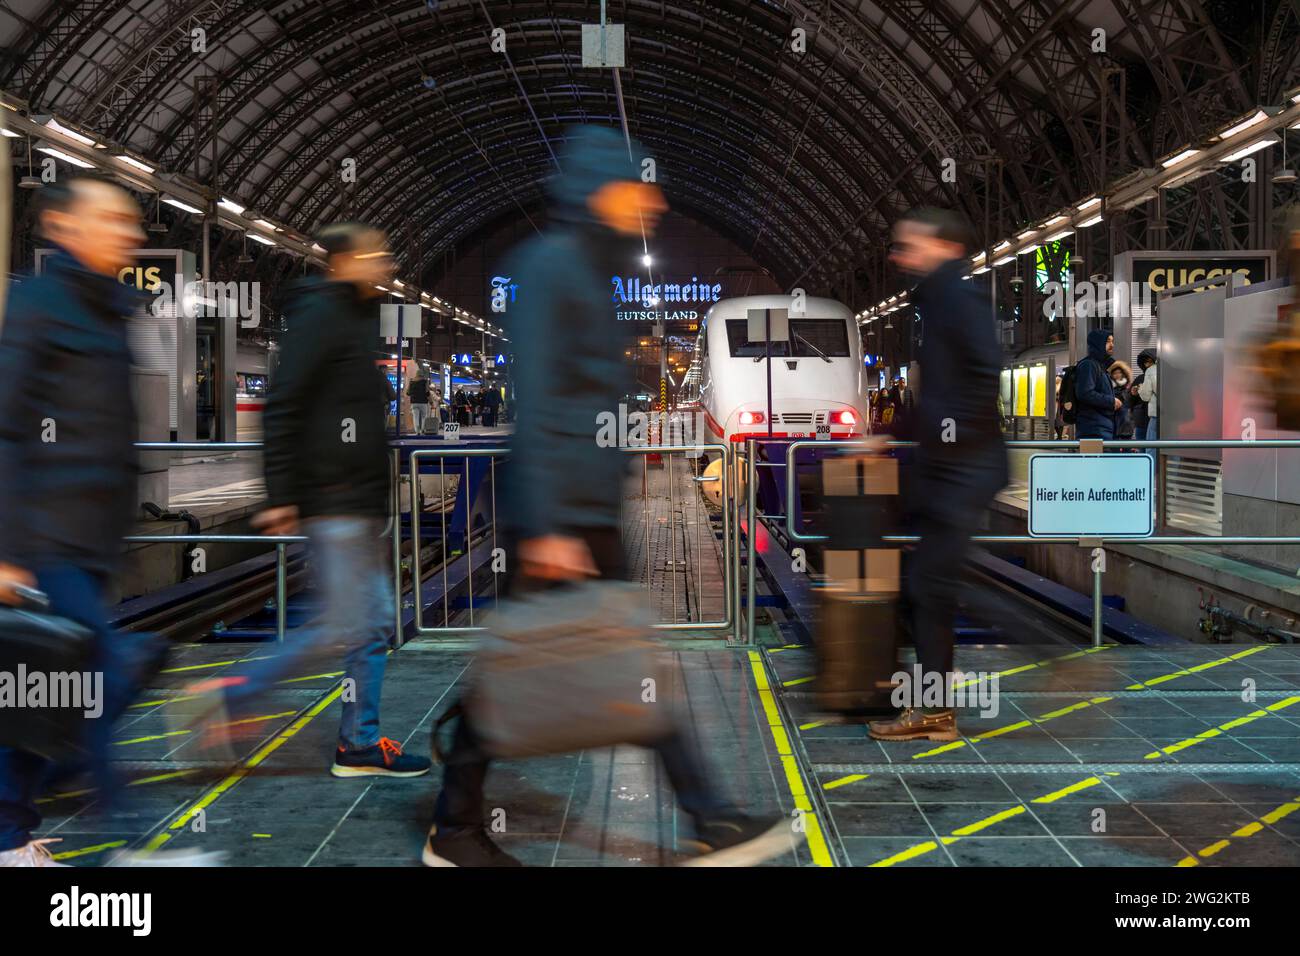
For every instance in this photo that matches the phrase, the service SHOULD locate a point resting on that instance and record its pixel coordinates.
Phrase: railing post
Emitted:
(281, 590)
(751, 549)
(396, 487)
(1097, 563)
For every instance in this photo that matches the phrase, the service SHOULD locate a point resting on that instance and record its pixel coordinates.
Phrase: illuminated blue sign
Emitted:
(463, 359)
(501, 358)
(648, 294)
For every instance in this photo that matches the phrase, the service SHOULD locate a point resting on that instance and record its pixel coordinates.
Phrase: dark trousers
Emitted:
(934, 575)
(465, 766)
(125, 660)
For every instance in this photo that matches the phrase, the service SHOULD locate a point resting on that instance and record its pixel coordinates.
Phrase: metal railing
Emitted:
(1095, 542)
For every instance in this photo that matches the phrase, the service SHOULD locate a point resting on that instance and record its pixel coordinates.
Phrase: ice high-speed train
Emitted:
(817, 376)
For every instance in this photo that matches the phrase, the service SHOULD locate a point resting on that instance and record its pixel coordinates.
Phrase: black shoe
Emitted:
(384, 759)
(738, 840)
(468, 846)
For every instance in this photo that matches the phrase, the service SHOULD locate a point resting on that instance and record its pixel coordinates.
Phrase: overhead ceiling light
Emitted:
(1090, 222)
(1255, 147)
(8, 132)
(135, 163)
(231, 206)
(1054, 220)
(399, 283)
(1179, 157)
(647, 260)
(1254, 120)
(1004, 260)
(1056, 236)
(60, 154)
(1139, 199)
(1028, 249)
(975, 272)
(317, 247)
(978, 257)
(182, 205)
(49, 122)
(1026, 234)
(1004, 244)
(267, 224)
(1088, 204)
(262, 239)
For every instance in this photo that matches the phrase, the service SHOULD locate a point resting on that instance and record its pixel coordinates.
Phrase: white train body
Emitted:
(812, 396)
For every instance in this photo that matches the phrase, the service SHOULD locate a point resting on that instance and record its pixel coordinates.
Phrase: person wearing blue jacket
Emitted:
(68, 467)
(1094, 392)
(562, 493)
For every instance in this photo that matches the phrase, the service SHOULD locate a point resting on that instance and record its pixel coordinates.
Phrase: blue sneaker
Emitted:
(384, 759)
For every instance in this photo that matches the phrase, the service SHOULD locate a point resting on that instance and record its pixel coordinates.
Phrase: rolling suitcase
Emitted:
(44, 693)
(857, 640)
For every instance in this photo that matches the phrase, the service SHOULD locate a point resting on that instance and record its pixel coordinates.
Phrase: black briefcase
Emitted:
(48, 689)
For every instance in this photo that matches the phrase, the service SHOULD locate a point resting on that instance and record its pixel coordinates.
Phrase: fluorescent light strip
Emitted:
(1245, 124)
(8, 132)
(1255, 147)
(1004, 260)
(59, 154)
(132, 161)
(181, 205)
(1090, 222)
(1059, 235)
(1054, 220)
(1184, 155)
(262, 239)
(231, 206)
(58, 127)
(1088, 204)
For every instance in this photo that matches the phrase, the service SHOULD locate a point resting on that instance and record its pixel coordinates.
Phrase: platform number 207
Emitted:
(451, 430)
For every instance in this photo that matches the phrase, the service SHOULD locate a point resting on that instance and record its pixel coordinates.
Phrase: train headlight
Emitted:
(751, 418)
(847, 418)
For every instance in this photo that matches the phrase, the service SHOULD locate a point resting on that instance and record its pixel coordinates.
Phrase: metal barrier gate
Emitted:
(1086, 446)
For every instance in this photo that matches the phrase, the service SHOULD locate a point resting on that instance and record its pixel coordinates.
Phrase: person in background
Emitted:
(68, 467)
(1094, 392)
(1147, 389)
(491, 406)
(1121, 376)
(418, 392)
(1058, 421)
(327, 476)
(562, 529)
(960, 461)
(460, 407)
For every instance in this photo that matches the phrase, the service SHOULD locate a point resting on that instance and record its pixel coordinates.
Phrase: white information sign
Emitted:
(1091, 496)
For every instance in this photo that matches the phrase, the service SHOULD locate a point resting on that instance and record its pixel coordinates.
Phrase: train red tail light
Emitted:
(846, 418)
(751, 418)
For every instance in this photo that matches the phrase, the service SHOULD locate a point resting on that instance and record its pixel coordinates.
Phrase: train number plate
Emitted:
(823, 432)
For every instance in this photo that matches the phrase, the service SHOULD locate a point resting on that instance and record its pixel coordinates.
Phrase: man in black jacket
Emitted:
(1094, 393)
(326, 461)
(961, 462)
(67, 465)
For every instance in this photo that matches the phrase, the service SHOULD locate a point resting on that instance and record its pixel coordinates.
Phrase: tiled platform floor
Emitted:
(1124, 756)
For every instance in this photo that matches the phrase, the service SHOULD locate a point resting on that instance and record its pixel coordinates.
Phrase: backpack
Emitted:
(1067, 397)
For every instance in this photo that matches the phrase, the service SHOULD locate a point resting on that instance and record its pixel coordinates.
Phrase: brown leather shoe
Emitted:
(916, 724)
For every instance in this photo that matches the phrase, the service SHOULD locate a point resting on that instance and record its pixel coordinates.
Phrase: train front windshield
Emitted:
(809, 338)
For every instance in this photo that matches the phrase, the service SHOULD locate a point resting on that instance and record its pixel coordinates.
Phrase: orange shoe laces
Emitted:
(389, 748)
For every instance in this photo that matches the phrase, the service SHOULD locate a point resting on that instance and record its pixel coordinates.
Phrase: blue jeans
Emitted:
(351, 578)
(1151, 433)
(123, 659)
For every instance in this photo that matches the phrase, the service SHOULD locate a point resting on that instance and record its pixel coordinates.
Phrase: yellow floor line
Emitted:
(217, 792)
(844, 781)
(1199, 667)
(294, 680)
(1241, 833)
(814, 725)
(797, 680)
(69, 854)
(1029, 667)
(199, 667)
(1218, 731)
(821, 853)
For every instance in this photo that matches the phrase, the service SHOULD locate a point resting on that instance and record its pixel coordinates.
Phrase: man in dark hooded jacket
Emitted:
(1094, 393)
(961, 462)
(67, 465)
(562, 492)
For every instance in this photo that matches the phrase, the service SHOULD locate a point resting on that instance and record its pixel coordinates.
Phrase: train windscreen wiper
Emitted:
(813, 347)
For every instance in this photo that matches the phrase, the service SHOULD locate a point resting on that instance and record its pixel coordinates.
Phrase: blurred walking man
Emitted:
(326, 460)
(67, 465)
(961, 462)
(567, 527)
